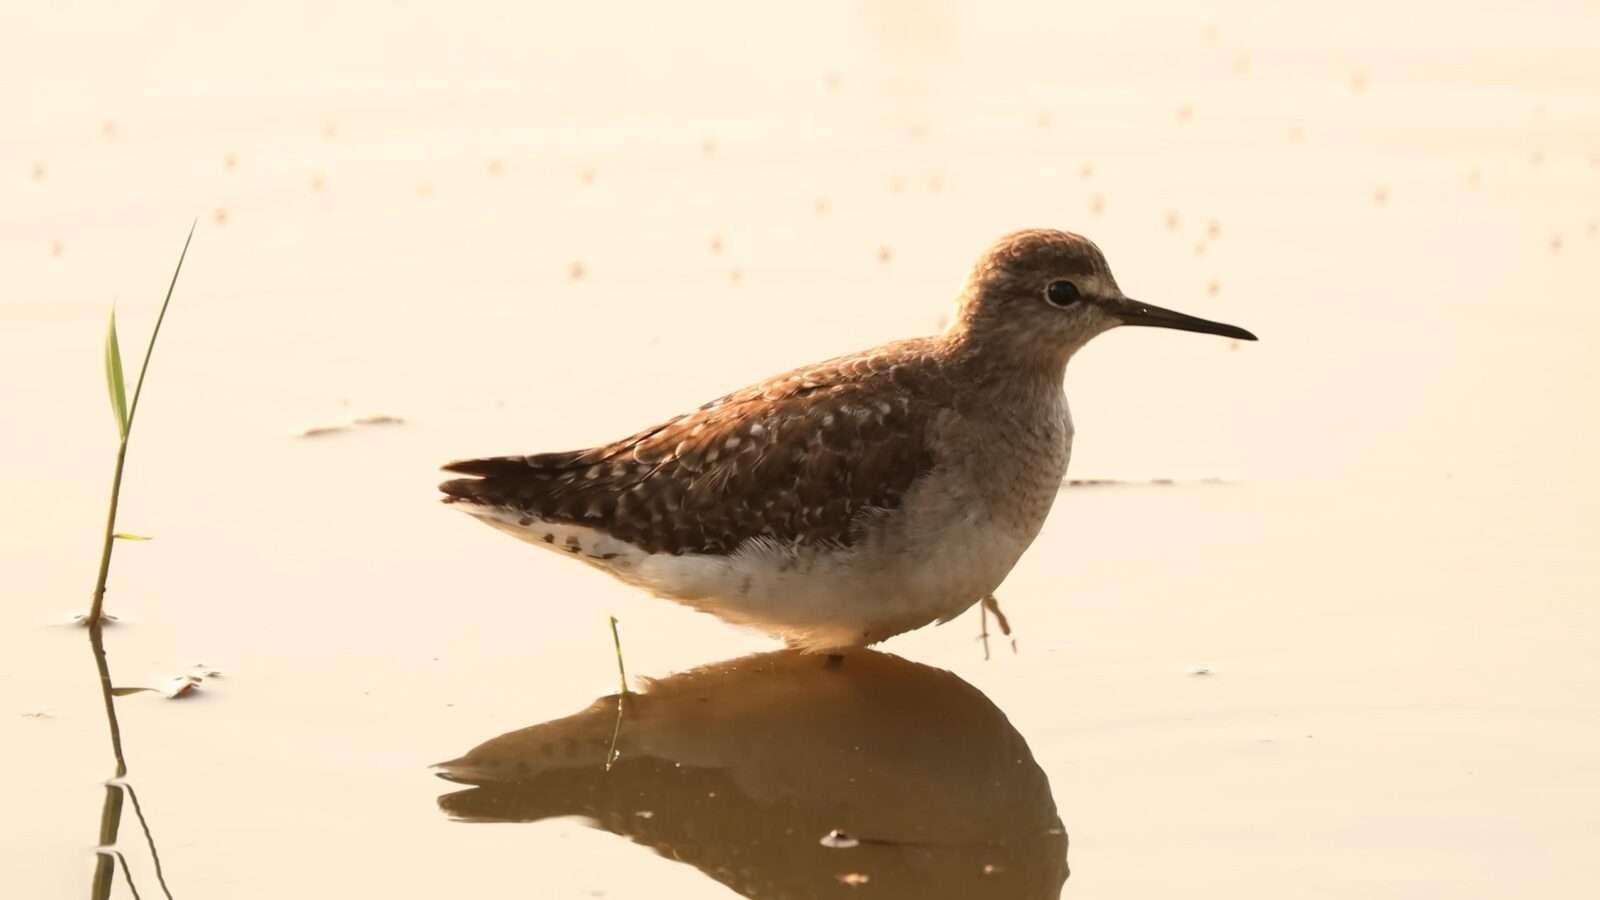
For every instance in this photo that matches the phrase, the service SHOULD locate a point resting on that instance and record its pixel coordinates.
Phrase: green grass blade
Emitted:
(125, 536)
(114, 382)
(138, 387)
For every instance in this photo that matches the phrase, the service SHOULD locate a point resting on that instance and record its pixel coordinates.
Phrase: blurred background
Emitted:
(1349, 651)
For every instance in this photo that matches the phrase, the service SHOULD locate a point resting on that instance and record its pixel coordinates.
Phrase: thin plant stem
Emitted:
(97, 644)
(98, 602)
(111, 537)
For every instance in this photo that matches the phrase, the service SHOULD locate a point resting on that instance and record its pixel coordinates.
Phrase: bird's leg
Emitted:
(983, 626)
(989, 604)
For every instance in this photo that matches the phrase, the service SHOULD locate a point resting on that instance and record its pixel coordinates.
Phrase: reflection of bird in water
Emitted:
(742, 768)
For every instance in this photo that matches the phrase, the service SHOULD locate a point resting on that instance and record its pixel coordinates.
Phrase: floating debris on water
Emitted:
(854, 879)
(839, 840)
(1123, 482)
(316, 431)
(82, 619)
(181, 686)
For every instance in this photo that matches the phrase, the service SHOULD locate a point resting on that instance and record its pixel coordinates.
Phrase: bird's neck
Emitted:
(1020, 369)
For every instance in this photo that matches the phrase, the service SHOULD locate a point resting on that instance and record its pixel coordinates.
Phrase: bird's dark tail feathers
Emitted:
(489, 487)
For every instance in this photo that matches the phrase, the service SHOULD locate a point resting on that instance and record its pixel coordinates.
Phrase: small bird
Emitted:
(849, 501)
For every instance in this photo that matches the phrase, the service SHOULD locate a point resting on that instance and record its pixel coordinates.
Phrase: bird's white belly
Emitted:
(822, 599)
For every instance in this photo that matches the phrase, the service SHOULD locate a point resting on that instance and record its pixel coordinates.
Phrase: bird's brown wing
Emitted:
(794, 460)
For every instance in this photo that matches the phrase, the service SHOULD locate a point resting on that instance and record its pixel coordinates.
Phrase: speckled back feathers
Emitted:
(793, 460)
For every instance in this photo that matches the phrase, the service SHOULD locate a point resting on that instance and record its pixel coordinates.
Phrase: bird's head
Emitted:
(1040, 295)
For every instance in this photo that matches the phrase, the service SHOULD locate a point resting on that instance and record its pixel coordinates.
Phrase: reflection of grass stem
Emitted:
(111, 810)
(149, 839)
(127, 873)
(124, 413)
(622, 677)
(616, 640)
(105, 865)
(616, 731)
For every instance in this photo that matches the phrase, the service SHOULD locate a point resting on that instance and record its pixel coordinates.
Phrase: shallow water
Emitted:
(1350, 651)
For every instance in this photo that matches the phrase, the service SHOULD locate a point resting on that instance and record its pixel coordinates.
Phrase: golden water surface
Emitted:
(1352, 649)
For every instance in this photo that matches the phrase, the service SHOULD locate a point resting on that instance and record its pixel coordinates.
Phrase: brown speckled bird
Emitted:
(848, 501)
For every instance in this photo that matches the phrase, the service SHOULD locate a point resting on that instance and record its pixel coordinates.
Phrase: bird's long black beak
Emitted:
(1132, 312)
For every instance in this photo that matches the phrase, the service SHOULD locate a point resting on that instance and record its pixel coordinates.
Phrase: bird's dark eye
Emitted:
(1062, 293)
